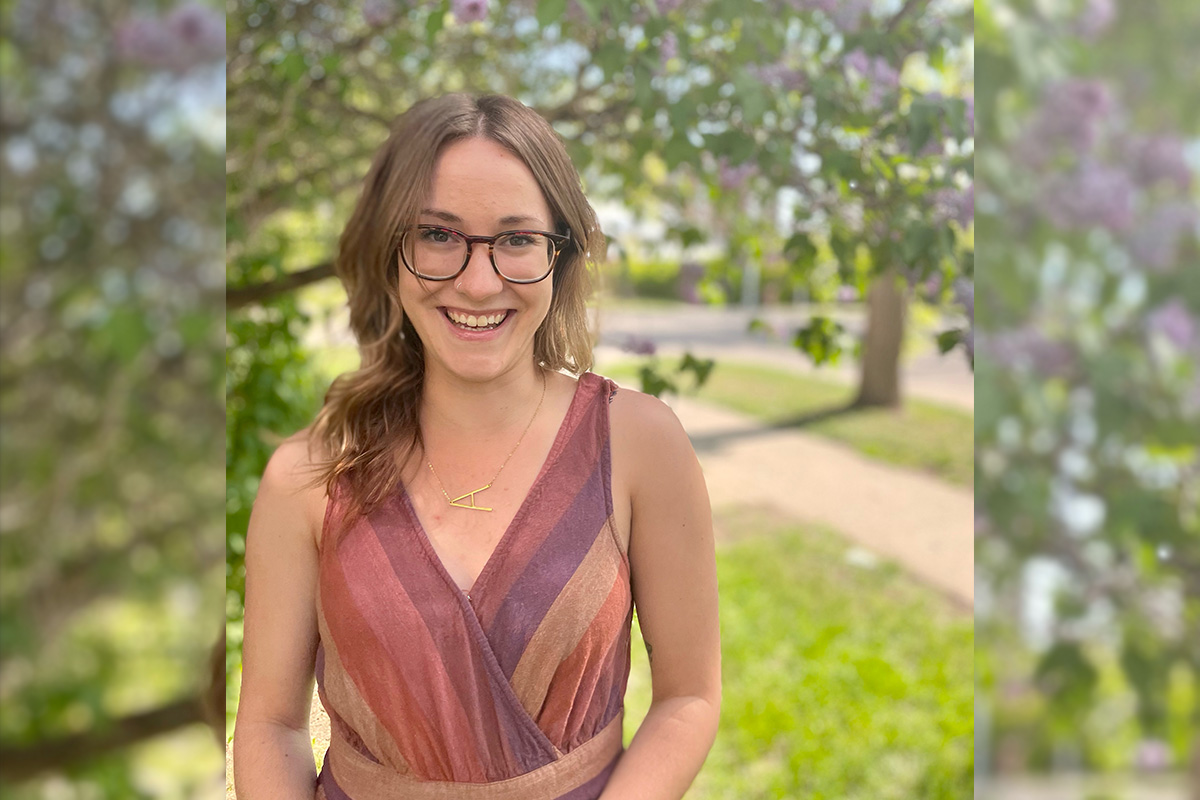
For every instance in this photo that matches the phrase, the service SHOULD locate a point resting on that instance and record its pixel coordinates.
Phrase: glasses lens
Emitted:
(435, 253)
(524, 256)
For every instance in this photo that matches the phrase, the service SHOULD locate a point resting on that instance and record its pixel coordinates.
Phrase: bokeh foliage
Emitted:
(111, 210)
(1088, 472)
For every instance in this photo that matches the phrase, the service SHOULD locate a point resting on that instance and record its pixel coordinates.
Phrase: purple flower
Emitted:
(732, 178)
(667, 49)
(780, 75)
(1154, 242)
(1159, 158)
(667, 6)
(469, 10)
(970, 111)
(964, 293)
(1092, 195)
(1069, 117)
(1152, 755)
(639, 346)
(878, 74)
(192, 34)
(1028, 349)
(1095, 18)
(1173, 322)
(956, 204)
(378, 13)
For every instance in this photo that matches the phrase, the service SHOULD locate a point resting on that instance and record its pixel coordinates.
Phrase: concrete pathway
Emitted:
(922, 523)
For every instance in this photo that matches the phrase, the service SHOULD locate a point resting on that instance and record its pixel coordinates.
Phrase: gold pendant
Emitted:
(455, 502)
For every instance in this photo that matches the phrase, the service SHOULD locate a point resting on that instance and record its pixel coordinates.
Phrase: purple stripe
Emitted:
(325, 781)
(547, 573)
(593, 788)
(500, 725)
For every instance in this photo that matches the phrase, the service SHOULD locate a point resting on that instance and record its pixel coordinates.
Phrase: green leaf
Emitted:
(435, 22)
(948, 340)
(550, 11)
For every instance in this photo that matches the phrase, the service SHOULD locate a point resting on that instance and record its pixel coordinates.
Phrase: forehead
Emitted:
(482, 181)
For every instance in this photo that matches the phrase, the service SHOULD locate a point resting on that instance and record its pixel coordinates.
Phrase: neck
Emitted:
(480, 409)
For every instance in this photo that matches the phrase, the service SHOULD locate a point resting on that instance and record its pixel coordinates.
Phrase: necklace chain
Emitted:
(457, 502)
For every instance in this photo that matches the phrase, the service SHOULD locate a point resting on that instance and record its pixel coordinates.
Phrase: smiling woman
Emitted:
(455, 546)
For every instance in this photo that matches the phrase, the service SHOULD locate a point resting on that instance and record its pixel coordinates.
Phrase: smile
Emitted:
(476, 322)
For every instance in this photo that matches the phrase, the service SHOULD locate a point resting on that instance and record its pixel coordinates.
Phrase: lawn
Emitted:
(921, 436)
(843, 677)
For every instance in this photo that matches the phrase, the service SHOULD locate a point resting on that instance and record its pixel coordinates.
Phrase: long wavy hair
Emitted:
(368, 427)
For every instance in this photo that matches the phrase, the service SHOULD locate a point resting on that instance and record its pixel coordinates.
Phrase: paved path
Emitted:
(920, 522)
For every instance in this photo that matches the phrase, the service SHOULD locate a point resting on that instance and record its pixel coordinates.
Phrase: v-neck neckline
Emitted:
(472, 595)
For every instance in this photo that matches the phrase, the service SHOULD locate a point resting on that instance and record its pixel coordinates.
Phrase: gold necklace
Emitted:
(457, 501)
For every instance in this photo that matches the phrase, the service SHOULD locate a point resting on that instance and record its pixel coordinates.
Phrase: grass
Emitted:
(921, 436)
(840, 681)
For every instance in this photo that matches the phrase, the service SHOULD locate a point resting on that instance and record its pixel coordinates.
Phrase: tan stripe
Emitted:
(350, 706)
(363, 779)
(569, 617)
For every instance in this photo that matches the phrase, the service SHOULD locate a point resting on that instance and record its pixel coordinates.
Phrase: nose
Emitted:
(479, 279)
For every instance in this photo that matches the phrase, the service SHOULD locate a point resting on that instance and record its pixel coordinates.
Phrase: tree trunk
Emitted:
(1194, 770)
(880, 381)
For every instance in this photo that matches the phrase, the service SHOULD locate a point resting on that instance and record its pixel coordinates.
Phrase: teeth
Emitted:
(473, 321)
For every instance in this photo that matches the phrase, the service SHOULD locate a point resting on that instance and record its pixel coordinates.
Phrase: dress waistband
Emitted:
(363, 779)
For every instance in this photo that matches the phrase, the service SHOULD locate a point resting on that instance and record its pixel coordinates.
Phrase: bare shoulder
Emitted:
(291, 486)
(648, 434)
(639, 416)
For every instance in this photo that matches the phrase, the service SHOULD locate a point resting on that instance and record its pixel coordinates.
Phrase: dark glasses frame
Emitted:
(558, 243)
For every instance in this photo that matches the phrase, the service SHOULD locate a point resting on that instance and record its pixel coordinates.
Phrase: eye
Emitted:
(522, 240)
(435, 236)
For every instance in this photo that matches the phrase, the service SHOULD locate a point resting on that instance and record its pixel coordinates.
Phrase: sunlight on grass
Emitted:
(921, 436)
(840, 681)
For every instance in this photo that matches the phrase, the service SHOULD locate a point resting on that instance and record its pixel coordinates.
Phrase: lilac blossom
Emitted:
(1154, 242)
(639, 346)
(1028, 349)
(880, 77)
(732, 178)
(1092, 195)
(466, 11)
(970, 112)
(1094, 18)
(378, 13)
(1157, 159)
(780, 75)
(846, 15)
(190, 35)
(964, 293)
(1070, 116)
(955, 204)
(1173, 322)
(667, 49)
(667, 6)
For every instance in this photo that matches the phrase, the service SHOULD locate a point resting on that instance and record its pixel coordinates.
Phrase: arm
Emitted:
(272, 748)
(675, 588)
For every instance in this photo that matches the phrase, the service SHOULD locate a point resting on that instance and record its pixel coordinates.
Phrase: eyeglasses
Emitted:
(436, 253)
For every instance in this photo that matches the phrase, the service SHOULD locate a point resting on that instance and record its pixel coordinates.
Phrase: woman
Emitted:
(456, 544)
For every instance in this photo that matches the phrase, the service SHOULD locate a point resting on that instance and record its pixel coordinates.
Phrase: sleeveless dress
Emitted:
(516, 691)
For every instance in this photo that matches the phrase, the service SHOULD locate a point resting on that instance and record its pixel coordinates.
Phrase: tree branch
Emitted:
(258, 292)
(24, 762)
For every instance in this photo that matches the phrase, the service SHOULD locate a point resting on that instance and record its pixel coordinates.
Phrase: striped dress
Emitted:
(514, 692)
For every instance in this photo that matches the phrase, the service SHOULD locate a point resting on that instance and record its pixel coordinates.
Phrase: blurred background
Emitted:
(1087, 472)
(787, 187)
(111, 281)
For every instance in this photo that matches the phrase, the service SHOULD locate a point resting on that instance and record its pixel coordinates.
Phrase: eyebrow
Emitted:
(512, 219)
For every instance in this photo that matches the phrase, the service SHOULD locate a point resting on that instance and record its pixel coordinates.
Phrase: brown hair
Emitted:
(368, 427)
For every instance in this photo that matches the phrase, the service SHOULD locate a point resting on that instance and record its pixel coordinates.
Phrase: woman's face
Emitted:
(480, 189)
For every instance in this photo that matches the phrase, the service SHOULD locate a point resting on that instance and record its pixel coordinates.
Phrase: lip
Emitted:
(476, 336)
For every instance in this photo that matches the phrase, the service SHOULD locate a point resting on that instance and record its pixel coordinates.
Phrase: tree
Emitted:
(1086, 448)
(722, 115)
(111, 209)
